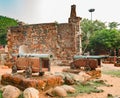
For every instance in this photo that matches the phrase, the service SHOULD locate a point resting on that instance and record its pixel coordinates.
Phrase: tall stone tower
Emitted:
(78, 36)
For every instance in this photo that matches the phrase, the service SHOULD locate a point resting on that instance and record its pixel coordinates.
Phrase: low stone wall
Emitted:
(40, 83)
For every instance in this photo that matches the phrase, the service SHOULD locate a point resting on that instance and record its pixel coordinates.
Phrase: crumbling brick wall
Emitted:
(66, 41)
(61, 40)
(56, 39)
(39, 38)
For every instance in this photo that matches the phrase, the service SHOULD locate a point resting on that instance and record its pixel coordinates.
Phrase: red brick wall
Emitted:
(39, 38)
(66, 41)
(62, 40)
(53, 38)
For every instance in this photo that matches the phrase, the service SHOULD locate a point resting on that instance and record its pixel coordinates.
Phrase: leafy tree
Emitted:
(2, 38)
(5, 23)
(105, 39)
(113, 25)
(88, 28)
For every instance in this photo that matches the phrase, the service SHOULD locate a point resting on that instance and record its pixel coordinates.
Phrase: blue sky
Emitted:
(42, 11)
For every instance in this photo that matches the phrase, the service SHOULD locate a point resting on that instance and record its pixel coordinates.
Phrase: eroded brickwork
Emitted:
(39, 38)
(61, 40)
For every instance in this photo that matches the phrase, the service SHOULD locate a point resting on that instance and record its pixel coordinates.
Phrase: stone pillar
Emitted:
(73, 11)
(76, 22)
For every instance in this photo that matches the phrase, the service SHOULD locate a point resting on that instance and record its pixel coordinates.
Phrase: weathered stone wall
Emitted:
(56, 39)
(61, 40)
(66, 41)
(39, 38)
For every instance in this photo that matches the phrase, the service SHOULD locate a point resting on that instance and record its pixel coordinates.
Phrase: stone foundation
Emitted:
(40, 83)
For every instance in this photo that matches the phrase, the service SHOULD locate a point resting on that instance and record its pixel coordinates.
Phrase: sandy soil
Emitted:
(114, 90)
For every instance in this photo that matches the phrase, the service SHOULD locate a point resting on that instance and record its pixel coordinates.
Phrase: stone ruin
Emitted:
(62, 40)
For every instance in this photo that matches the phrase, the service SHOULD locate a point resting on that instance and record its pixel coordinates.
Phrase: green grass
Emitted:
(0, 94)
(21, 96)
(89, 87)
(115, 73)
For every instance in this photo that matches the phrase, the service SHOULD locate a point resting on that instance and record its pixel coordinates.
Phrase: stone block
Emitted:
(43, 83)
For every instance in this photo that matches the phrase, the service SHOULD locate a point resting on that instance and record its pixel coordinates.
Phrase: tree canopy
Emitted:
(5, 23)
(106, 38)
(113, 25)
(96, 35)
(88, 28)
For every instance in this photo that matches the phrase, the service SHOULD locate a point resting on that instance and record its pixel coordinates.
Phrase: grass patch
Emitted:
(115, 73)
(89, 87)
(21, 96)
(0, 94)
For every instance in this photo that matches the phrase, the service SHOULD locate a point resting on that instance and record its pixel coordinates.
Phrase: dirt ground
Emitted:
(114, 90)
